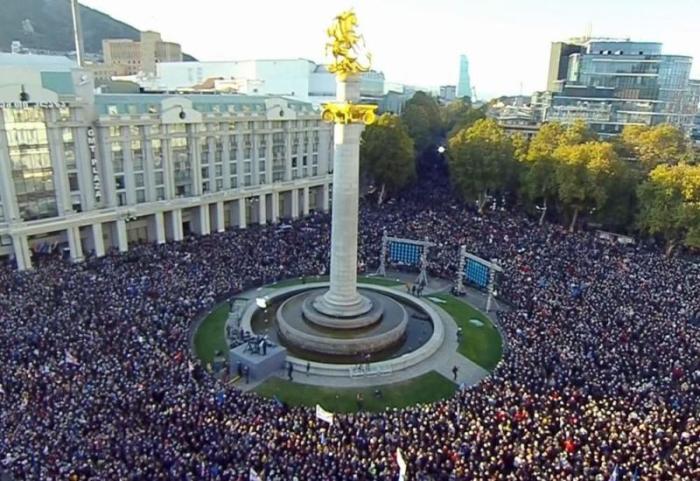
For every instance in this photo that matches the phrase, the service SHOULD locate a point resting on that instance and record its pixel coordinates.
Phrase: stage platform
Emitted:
(260, 366)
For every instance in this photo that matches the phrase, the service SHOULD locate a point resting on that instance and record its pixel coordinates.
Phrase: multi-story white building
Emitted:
(298, 78)
(88, 172)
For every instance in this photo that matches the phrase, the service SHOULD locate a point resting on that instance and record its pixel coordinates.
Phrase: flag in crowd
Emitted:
(254, 476)
(323, 415)
(71, 359)
(402, 464)
(615, 476)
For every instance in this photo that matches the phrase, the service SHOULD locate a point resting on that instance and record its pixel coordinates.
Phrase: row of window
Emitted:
(157, 129)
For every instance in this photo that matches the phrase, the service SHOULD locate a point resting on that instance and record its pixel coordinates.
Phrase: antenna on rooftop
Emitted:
(589, 31)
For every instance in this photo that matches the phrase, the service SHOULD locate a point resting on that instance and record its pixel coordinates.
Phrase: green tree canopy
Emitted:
(579, 132)
(661, 144)
(538, 180)
(480, 160)
(422, 119)
(387, 155)
(669, 205)
(585, 174)
(460, 114)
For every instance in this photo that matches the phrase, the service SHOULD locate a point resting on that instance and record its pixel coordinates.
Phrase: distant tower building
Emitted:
(16, 47)
(464, 87)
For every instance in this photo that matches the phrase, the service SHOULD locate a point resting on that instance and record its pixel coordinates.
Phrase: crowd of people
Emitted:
(600, 380)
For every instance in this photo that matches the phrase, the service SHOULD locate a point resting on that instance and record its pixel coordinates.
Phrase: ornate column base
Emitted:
(324, 312)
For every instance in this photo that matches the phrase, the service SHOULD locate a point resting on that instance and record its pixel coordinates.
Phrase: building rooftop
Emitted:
(43, 62)
(202, 102)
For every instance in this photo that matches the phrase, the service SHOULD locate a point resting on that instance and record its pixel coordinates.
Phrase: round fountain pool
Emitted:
(404, 326)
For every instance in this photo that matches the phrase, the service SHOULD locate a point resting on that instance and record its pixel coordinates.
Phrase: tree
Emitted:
(662, 144)
(422, 119)
(579, 132)
(480, 160)
(387, 154)
(538, 179)
(618, 211)
(521, 146)
(585, 174)
(460, 114)
(538, 182)
(669, 202)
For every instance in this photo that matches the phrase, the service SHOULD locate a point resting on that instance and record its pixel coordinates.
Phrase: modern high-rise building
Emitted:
(140, 56)
(559, 63)
(85, 172)
(695, 98)
(612, 83)
(464, 86)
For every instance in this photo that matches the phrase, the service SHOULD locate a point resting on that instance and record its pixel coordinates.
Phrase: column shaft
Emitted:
(242, 220)
(176, 219)
(20, 246)
(275, 207)
(74, 244)
(220, 226)
(98, 240)
(295, 203)
(122, 239)
(160, 227)
(343, 281)
(305, 202)
(262, 209)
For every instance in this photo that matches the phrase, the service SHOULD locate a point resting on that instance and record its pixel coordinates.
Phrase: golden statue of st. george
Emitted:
(343, 45)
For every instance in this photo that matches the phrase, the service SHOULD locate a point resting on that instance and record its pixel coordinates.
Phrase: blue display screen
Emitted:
(476, 273)
(403, 253)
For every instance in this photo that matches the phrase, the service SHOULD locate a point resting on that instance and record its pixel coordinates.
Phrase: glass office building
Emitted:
(613, 83)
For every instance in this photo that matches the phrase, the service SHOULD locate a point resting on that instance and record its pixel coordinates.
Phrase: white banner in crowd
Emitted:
(402, 465)
(323, 415)
(71, 359)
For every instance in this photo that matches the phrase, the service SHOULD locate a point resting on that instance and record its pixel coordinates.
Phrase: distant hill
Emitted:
(48, 25)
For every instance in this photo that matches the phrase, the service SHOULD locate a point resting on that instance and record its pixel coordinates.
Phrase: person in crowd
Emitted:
(97, 383)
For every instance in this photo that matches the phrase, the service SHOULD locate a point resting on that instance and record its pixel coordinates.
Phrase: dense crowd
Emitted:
(600, 380)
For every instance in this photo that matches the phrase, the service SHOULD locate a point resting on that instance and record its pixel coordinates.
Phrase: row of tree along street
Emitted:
(644, 181)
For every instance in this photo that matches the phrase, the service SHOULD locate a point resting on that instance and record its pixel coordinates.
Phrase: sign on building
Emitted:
(92, 147)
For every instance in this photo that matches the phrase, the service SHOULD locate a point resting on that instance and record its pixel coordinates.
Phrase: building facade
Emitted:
(142, 56)
(612, 83)
(448, 93)
(86, 172)
(298, 78)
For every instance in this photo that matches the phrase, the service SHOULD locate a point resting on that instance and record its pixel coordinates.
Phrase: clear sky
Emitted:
(417, 41)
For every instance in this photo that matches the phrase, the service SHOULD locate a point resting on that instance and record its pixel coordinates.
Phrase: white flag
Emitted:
(253, 476)
(323, 415)
(615, 476)
(71, 359)
(402, 465)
